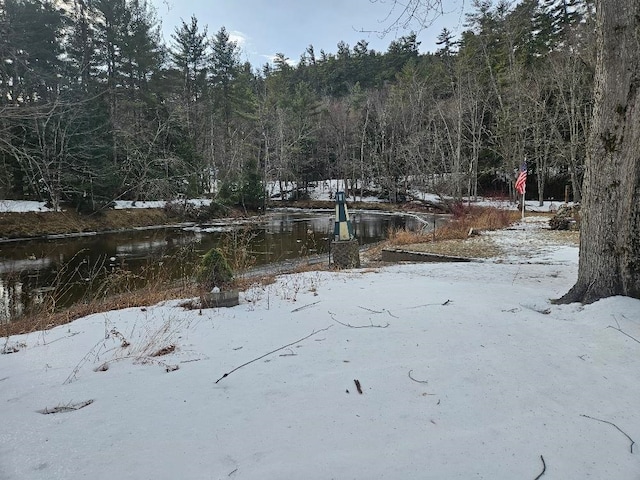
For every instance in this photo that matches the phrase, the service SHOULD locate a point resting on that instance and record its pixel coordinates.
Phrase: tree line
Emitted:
(95, 106)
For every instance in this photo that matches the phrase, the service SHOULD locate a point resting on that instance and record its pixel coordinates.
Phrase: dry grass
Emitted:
(445, 240)
(465, 220)
(477, 218)
(144, 297)
(140, 298)
(35, 224)
(244, 283)
(401, 236)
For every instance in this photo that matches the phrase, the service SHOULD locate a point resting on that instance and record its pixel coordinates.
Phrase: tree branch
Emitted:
(304, 306)
(356, 326)
(615, 426)
(417, 381)
(624, 333)
(273, 351)
(544, 468)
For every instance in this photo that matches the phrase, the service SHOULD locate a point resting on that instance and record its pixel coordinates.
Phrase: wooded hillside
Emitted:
(95, 107)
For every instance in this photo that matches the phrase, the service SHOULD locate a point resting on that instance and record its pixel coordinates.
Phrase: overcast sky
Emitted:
(263, 28)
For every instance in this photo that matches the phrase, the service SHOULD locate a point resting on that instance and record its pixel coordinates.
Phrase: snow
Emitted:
(322, 191)
(467, 371)
(21, 206)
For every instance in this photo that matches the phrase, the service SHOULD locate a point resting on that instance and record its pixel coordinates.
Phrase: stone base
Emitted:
(228, 298)
(346, 253)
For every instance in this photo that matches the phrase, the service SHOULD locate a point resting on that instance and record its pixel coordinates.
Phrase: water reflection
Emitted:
(66, 271)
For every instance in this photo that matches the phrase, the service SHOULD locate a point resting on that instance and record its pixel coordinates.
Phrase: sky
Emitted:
(467, 370)
(263, 28)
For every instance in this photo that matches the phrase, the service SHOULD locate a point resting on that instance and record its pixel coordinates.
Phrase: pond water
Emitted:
(62, 272)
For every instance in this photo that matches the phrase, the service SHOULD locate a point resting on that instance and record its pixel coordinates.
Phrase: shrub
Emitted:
(214, 269)
(214, 210)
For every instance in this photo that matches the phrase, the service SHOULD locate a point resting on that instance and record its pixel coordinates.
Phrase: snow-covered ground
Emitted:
(321, 192)
(466, 371)
(33, 206)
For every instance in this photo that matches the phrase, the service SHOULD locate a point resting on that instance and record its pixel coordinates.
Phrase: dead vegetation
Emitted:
(38, 224)
(465, 221)
(457, 237)
(141, 298)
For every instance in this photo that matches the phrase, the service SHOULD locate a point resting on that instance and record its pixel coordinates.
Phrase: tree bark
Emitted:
(610, 231)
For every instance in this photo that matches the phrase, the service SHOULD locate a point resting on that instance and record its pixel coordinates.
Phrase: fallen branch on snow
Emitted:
(417, 381)
(358, 386)
(273, 351)
(70, 407)
(304, 306)
(544, 468)
(446, 302)
(370, 310)
(624, 333)
(615, 426)
(356, 326)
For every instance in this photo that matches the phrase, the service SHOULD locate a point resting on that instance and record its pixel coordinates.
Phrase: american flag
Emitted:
(521, 181)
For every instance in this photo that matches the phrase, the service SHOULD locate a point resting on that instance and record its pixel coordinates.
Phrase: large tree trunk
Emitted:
(610, 232)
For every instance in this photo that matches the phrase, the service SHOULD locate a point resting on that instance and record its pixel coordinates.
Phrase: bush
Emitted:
(214, 210)
(214, 270)
(190, 212)
(181, 210)
(88, 205)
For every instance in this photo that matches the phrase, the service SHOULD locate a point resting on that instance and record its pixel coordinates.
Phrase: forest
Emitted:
(95, 107)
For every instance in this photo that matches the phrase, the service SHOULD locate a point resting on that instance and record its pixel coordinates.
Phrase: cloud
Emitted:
(271, 58)
(239, 38)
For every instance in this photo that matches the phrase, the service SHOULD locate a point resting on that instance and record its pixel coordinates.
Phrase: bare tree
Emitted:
(571, 75)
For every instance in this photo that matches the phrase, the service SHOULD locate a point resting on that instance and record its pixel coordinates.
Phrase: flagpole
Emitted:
(521, 183)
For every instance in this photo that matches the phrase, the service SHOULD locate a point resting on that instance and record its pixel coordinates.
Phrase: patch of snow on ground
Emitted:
(22, 206)
(466, 370)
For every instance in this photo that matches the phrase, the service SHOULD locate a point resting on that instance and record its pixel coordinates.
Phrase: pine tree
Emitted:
(189, 55)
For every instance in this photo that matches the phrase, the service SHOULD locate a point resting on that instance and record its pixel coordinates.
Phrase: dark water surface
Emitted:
(65, 271)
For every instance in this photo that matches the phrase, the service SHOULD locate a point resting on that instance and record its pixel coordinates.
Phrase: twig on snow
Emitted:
(333, 317)
(62, 338)
(417, 381)
(544, 468)
(304, 306)
(85, 359)
(370, 310)
(446, 302)
(616, 427)
(70, 407)
(273, 351)
(358, 386)
(624, 333)
(378, 311)
(290, 354)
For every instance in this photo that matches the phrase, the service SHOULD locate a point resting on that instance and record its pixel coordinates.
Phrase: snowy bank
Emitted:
(466, 371)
